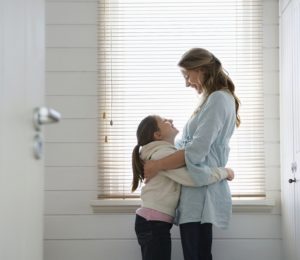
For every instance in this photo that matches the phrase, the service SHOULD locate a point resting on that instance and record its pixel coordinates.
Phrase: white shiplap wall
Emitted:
(72, 231)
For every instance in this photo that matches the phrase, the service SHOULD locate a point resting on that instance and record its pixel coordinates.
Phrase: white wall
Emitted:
(72, 231)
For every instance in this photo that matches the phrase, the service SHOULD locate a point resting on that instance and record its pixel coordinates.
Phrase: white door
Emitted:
(296, 119)
(21, 89)
(287, 134)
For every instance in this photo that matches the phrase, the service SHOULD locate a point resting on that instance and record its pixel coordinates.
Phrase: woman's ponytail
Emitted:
(231, 88)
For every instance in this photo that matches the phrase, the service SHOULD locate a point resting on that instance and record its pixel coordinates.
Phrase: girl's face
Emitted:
(167, 131)
(194, 79)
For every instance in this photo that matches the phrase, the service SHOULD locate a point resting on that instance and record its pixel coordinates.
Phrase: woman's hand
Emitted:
(230, 173)
(150, 169)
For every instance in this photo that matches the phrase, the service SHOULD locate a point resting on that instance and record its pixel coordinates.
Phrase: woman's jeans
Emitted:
(154, 238)
(196, 240)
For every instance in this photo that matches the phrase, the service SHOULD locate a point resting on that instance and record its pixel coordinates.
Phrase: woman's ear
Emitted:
(157, 135)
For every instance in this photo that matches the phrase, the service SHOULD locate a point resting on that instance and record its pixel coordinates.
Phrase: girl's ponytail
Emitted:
(137, 168)
(145, 134)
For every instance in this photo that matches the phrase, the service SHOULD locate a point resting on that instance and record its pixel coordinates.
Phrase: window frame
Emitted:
(256, 205)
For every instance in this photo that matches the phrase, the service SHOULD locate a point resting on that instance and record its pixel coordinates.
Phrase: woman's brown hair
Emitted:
(144, 134)
(215, 77)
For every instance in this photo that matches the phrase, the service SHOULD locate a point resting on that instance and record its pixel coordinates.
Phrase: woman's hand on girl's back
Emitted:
(230, 173)
(150, 169)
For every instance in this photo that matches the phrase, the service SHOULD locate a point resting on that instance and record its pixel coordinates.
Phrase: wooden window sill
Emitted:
(130, 205)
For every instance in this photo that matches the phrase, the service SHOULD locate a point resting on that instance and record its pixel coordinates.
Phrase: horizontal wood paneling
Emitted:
(69, 202)
(271, 38)
(75, 83)
(258, 249)
(273, 182)
(235, 249)
(271, 106)
(271, 130)
(272, 156)
(72, 130)
(121, 226)
(275, 195)
(271, 83)
(71, 1)
(71, 36)
(271, 12)
(71, 59)
(83, 107)
(271, 100)
(70, 178)
(71, 12)
(71, 154)
(271, 62)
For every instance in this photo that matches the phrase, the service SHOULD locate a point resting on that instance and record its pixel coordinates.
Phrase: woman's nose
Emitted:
(187, 83)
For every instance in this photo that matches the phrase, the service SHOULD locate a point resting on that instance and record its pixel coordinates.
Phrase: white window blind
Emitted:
(140, 43)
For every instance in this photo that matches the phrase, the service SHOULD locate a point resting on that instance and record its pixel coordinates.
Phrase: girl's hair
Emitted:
(215, 78)
(145, 134)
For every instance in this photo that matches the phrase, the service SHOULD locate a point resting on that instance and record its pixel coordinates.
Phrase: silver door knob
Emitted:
(44, 115)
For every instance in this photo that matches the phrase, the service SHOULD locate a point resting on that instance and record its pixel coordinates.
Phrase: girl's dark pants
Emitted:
(154, 238)
(196, 240)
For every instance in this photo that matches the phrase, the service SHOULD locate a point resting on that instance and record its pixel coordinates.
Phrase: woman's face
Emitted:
(167, 131)
(194, 79)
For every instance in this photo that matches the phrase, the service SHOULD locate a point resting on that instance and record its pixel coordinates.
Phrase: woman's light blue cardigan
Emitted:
(205, 139)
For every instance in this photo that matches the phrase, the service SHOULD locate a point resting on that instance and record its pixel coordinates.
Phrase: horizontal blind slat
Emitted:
(140, 43)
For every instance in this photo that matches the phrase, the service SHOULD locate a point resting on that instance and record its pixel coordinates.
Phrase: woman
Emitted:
(205, 141)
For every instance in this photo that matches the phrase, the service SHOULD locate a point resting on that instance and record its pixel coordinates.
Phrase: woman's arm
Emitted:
(173, 161)
(182, 176)
(212, 123)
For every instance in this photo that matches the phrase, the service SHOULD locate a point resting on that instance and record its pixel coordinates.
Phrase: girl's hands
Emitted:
(150, 169)
(230, 173)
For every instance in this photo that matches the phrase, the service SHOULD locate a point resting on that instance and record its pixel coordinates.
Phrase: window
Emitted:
(140, 43)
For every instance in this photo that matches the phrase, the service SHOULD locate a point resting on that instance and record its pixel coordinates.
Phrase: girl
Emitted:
(160, 195)
(205, 141)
